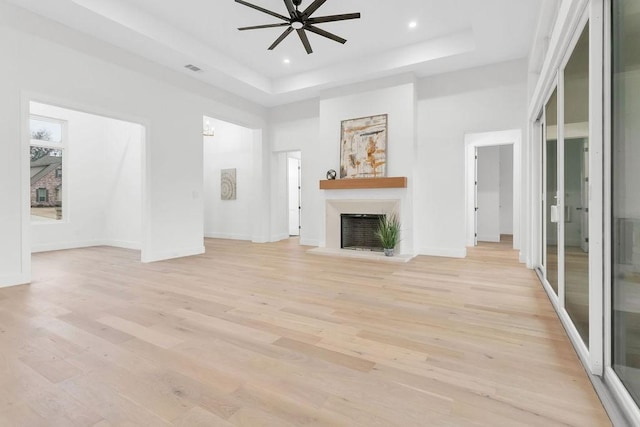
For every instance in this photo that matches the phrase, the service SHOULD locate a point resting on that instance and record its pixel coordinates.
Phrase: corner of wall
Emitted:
(152, 256)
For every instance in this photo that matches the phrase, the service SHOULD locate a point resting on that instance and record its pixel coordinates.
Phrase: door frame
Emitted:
(472, 142)
(26, 97)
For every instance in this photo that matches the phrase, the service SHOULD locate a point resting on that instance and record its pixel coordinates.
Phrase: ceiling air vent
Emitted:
(193, 68)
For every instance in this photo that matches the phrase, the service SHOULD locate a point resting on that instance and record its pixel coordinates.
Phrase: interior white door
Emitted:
(475, 199)
(488, 194)
(294, 195)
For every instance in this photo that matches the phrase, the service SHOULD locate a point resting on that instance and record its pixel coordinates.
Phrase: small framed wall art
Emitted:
(228, 184)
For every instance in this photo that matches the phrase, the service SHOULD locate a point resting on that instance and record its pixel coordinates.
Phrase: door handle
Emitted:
(554, 213)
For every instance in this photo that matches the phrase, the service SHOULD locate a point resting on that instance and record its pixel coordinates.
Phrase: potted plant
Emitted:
(389, 233)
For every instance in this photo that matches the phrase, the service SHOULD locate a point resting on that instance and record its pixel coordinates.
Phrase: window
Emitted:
(43, 129)
(47, 152)
(41, 195)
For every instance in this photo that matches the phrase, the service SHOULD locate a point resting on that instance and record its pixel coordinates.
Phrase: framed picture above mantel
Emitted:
(363, 147)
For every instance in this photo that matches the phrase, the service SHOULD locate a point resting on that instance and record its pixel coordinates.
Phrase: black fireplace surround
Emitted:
(358, 232)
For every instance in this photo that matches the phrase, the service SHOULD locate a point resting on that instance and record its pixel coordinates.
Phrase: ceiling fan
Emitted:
(300, 21)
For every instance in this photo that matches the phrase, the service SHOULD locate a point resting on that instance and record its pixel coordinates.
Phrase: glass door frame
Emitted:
(619, 391)
(543, 193)
(593, 357)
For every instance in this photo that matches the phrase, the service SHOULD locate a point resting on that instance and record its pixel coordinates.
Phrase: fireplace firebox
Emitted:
(358, 232)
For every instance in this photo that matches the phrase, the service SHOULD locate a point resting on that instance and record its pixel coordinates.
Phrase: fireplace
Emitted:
(358, 232)
(367, 209)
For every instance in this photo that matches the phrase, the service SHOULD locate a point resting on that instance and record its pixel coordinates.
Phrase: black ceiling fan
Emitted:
(300, 21)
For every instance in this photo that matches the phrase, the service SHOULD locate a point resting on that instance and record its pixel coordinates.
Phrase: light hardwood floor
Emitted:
(270, 335)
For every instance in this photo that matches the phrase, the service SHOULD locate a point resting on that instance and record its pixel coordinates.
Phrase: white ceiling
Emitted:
(451, 35)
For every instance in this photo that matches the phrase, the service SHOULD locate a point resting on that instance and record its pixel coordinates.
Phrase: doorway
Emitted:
(85, 181)
(501, 146)
(229, 189)
(494, 193)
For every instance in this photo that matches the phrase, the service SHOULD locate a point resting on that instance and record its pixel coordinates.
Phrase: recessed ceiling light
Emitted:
(413, 24)
(287, 61)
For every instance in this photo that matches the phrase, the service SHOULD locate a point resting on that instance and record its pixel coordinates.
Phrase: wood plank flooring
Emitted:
(255, 335)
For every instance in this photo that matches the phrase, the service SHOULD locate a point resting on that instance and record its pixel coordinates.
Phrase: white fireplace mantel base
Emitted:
(335, 207)
(366, 255)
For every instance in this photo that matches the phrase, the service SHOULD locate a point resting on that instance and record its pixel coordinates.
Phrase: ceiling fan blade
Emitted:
(291, 8)
(326, 34)
(257, 27)
(282, 37)
(312, 8)
(333, 18)
(263, 10)
(305, 40)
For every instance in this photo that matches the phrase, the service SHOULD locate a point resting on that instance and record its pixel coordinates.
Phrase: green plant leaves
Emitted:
(389, 231)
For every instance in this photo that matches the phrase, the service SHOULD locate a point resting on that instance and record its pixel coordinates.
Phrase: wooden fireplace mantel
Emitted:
(363, 183)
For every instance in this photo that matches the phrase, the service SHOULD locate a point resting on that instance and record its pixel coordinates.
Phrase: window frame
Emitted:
(39, 195)
(62, 146)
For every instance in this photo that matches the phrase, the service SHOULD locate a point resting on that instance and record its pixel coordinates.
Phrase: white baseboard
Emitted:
(259, 239)
(123, 244)
(444, 252)
(13, 280)
(310, 242)
(280, 237)
(227, 236)
(61, 246)
(171, 254)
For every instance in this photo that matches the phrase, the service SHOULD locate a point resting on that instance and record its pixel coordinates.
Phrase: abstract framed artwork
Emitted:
(228, 184)
(363, 147)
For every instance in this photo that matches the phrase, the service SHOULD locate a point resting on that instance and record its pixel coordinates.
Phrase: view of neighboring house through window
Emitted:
(47, 155)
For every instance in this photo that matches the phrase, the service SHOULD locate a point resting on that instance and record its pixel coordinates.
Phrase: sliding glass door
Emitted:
(565, 158)
(550, 196)
(575, 203)
(625, 156)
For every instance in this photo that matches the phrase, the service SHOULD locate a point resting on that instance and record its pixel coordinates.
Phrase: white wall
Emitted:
(47, 62)
(399, 103)
(486, 99)
(104, 181)
(506, 189)
(123, 193)
(313, 127)
(488, 202)
(279, 196)
(230, 148)
(293, 127)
